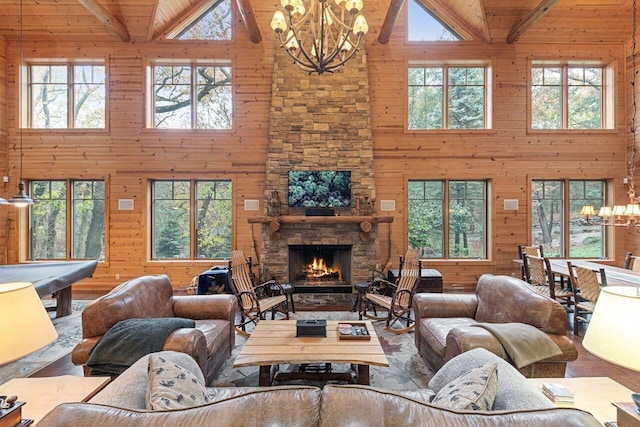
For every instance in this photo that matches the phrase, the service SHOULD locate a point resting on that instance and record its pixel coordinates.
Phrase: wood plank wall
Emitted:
(127, 154)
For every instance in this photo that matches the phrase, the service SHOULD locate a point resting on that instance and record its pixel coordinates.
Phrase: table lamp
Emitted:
(24, 328)
(612, 333)
(24, 323)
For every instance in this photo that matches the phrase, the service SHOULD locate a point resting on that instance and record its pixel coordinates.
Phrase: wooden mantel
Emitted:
(302, 219)
(366, 222)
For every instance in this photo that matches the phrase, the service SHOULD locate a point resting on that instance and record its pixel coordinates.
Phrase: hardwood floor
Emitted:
(587, 365)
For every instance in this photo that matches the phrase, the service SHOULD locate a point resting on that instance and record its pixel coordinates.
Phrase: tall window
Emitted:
(556, 222)
(447, 97)
(571, 97)
(190, 96)
(63, 96)
(67, 224)
(448, 219)
(191, 219)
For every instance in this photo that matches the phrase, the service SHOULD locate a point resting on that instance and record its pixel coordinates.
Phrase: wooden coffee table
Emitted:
(274, 342)
(43, 394)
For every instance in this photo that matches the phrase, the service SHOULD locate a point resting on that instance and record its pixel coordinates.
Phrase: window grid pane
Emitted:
(426, 212)
(171, 220)
(89, 96)
(547, 221)
(213, 223)
(88, 220)
(48, 96)
(49, 220)
(586, 239)
(467, 219)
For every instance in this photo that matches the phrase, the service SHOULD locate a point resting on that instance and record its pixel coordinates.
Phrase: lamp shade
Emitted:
(24, 323)
(612, 333)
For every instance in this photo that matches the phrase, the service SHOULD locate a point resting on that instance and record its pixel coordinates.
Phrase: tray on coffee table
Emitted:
(357, 331)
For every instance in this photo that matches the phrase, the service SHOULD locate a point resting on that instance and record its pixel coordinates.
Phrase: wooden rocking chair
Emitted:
(254, 301)
(397, 297)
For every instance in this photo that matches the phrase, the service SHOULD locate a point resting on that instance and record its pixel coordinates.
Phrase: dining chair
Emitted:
(540, 278)
(630, 262)
(536, 250)
(586, 290)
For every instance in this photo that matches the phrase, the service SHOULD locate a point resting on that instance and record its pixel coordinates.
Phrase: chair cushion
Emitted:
(474, 390)
(435, 331)
(171, 386)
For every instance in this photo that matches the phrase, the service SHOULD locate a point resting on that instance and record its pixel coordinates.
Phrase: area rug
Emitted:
(407, 370)
(69, 334)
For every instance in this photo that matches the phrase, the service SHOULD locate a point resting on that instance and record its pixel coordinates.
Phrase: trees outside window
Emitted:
(447, 97)
(570, 97)
(448, 219)
(213, 24)
(556, 222)
(67, 225)
(191, 217)
(65, 96)
(192, 96)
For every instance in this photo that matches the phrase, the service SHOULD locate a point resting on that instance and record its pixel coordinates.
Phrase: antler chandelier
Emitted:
(315, 37)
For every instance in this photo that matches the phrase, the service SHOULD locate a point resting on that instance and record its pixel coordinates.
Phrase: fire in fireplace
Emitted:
(320, 265)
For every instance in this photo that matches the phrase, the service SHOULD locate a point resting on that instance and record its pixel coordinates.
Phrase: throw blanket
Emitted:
(525, 344)
(129, 340)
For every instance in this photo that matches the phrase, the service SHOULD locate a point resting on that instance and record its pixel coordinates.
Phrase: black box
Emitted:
(311, 328)
(319, 212)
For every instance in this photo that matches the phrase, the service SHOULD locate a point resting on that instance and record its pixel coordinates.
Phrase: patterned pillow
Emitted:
(474, 390)
(170, 386)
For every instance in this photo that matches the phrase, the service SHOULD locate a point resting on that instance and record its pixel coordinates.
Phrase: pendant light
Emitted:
(21, 199)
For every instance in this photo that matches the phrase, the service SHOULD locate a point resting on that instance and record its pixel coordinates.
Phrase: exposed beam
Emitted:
(104, 16)
(389, 20)
(531, 19)
(442, 10)
(152, 20)
(249, 18)
(485, 25)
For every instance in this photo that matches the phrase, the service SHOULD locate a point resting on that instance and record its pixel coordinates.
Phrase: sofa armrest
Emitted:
(432, 305)
(461, 340)
(190, 341)
(80, 353)
(202, 307)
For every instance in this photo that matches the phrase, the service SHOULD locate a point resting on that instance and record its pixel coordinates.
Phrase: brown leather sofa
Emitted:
(443, 323)
(122, 403)
(210, 343)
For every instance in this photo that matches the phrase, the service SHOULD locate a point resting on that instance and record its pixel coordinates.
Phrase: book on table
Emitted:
(557, 393)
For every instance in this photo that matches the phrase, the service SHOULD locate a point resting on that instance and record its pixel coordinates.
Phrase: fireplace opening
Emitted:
(325, 266)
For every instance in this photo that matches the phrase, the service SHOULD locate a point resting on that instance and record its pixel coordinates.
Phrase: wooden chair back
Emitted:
(242, 278)
(631, 262)
(530, 250)
(538, 270)
(409, 276)
(585, 281)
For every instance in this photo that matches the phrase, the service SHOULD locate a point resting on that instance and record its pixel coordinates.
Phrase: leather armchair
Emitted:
(443, 323)
(210, 343)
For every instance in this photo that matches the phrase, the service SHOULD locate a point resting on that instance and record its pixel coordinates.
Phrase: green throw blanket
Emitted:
(525, 344)
(129, 340)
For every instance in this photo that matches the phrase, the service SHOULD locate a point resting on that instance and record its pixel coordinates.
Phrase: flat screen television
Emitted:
(319, 189)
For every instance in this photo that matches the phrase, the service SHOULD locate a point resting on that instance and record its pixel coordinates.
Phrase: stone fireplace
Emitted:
(319, 123)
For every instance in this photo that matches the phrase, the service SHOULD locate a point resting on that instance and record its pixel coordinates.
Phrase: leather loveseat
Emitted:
(123, 402)
(210, 343)
(444, 323)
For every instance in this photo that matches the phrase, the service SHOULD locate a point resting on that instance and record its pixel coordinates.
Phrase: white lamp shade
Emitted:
(24, 323)
(612, 334)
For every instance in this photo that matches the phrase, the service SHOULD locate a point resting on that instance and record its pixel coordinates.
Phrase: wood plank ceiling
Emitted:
(591, 21)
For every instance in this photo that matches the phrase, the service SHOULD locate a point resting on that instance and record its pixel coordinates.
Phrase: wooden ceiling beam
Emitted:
(249, 18)
(104, 16)
(389, 20)
(531, 19)
(152, 20)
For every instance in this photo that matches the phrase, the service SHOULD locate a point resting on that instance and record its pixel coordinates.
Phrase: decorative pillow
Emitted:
(474, 390)
(170, 386)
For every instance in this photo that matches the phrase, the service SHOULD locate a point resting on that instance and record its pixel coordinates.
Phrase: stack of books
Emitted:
(559, 394)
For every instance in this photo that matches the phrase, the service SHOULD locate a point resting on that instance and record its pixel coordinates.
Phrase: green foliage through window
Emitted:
(567, 97)
(448, 219)
(58, 212)
(567, 234)
(182, 206)
(447, 97)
